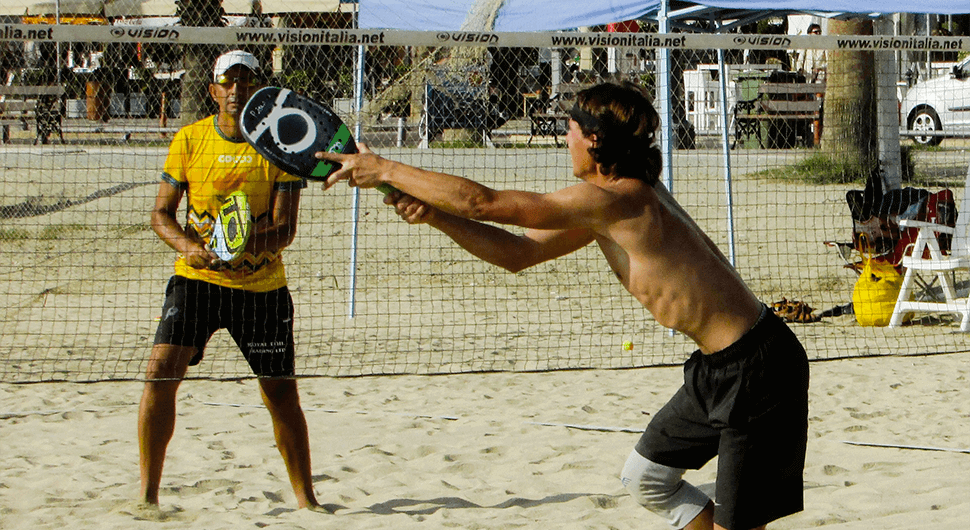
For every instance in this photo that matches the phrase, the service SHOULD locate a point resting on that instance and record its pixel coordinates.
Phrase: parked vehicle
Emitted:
(940, 106)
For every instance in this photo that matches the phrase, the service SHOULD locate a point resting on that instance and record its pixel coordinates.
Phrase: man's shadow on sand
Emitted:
(430, 506)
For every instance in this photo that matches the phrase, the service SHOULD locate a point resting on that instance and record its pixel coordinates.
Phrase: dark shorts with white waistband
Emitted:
(747, 405)
(260, 323)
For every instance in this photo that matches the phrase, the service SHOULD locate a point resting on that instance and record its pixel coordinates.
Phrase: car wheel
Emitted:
(926, 120)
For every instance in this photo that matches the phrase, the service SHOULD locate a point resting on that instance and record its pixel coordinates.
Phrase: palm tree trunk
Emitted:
(849, 134)
(198, 58)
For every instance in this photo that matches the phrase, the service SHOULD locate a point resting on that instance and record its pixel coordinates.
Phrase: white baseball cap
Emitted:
(230, 59)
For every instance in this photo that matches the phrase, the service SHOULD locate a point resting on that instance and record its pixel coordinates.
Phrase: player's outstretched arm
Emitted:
(449, 193)
(491, 243)
(459, 196)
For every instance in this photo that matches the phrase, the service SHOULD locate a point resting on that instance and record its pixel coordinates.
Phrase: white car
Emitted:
(940, 105)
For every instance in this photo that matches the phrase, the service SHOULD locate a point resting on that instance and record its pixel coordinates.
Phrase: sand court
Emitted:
(502, 450)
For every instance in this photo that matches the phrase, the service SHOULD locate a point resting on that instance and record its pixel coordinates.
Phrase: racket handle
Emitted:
(385, 188)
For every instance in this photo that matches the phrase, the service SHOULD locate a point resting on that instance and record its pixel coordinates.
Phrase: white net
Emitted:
(83, 274)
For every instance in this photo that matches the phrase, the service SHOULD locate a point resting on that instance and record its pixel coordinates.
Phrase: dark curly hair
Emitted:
(625, 124)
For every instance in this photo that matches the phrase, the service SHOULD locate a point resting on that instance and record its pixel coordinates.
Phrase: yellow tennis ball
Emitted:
(627, 345)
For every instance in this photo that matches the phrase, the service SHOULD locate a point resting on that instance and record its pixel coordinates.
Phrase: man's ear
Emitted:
(212, 92)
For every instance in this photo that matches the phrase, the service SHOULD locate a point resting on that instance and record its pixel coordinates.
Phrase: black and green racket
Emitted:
(287, 129)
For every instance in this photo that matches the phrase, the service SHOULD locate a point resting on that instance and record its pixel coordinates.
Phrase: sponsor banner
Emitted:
(370, 37)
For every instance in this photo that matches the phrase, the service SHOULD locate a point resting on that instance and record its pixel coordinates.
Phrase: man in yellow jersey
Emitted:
(248, 296)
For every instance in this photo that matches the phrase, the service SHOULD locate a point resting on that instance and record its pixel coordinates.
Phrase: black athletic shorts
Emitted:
(747, 405)
(260, 323)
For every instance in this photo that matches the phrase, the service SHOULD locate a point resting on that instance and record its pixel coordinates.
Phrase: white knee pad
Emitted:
(662, 490)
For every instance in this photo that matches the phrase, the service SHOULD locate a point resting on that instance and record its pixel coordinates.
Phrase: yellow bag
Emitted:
(875, 292)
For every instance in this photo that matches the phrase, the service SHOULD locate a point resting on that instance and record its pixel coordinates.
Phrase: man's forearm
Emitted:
(170, 231)
(449, 193)
(486, 242)
(273, 239)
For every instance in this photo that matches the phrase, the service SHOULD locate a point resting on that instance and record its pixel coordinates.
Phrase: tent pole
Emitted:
(726, 147)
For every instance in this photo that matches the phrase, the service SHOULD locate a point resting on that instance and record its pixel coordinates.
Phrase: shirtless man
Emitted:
(745, 397)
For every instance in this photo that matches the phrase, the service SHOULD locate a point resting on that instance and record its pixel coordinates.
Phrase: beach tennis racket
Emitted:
(287, 129)
(232, 227)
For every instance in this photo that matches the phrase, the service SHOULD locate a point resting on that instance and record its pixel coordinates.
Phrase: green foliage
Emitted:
(59, 231)
(647, 80)
(821, 169)
(818, 169)
(457, 144)
(39, 76)
(314, 84)
(13, 234)
(402, 69)
(133, 229)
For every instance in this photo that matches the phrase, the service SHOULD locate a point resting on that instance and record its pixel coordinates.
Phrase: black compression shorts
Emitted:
(260, 323)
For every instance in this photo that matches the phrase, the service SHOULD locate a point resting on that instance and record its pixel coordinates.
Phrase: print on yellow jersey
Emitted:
(209, 167)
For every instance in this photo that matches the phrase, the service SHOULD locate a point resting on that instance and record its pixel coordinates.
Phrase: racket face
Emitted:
(288, 129)
(232, 227)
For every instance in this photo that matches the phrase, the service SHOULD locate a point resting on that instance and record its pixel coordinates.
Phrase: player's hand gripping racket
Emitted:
(232, 227)
(287, 129)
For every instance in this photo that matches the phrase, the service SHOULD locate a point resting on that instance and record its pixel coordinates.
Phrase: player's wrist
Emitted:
(386, 171)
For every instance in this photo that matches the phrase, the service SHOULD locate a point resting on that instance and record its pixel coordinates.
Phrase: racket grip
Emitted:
(385, 188)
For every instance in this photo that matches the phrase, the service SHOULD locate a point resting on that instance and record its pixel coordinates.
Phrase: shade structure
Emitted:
(551, 15)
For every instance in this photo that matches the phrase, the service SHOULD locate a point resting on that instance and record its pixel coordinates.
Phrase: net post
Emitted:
(358, 105)
(726, 148)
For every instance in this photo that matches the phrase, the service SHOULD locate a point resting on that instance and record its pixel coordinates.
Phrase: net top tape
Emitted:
(370, 37)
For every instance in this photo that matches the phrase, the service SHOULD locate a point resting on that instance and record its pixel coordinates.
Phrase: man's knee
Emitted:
(662, 490)
(168, 361)
(280, 393)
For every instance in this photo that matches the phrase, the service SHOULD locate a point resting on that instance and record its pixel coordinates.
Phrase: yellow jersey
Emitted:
(208, 166)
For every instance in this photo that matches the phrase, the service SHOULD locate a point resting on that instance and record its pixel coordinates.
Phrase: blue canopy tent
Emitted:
(520, 15)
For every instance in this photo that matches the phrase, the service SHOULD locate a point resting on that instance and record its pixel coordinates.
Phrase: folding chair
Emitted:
(928, 257)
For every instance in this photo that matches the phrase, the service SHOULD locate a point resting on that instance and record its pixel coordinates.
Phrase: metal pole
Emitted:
(663, 98)
(355, 210)
(726, 147)
(57, 59)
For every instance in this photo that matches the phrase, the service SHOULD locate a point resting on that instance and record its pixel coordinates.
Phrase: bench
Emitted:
(550, 116)
(781, 116)
(548, 124)
(44, 105)
(124, 130)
